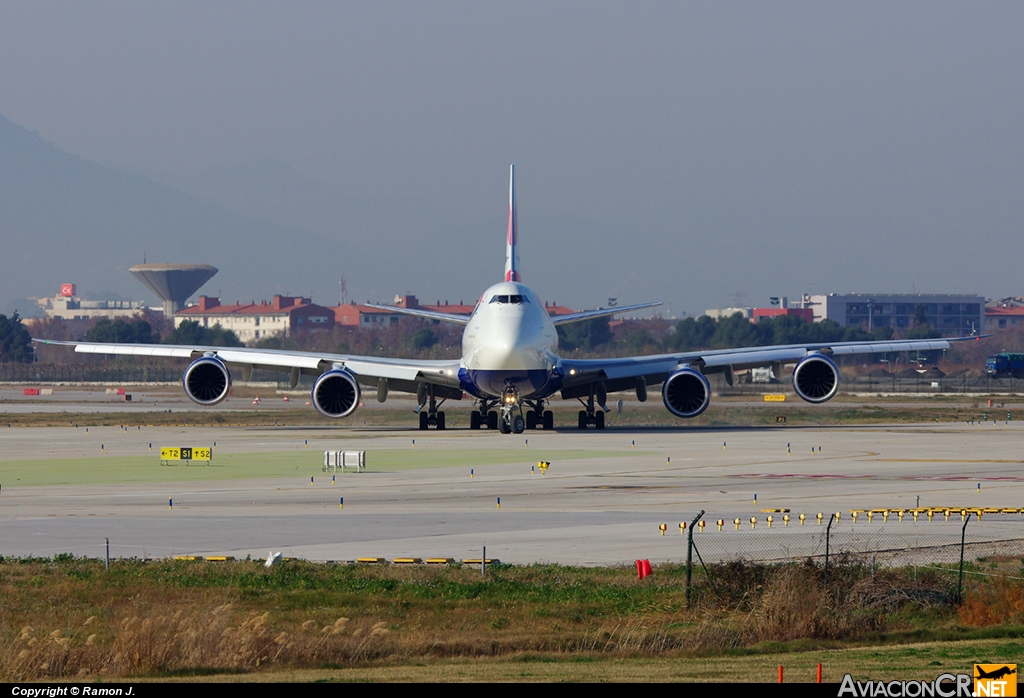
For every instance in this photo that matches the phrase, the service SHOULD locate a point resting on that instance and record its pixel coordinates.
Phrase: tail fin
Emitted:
(511, 253)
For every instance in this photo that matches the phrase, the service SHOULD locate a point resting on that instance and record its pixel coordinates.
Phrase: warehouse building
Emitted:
(951, 314)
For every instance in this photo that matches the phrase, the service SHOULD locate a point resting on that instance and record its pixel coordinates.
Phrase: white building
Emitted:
(284, 315)
(720, 313)
(77, 309)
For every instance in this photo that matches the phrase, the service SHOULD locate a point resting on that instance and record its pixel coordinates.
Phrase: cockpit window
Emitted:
(515, 299)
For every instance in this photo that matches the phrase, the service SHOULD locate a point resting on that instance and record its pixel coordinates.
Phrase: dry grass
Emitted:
(166, 639)
(722, 412)
(68, 618)
(999, 603)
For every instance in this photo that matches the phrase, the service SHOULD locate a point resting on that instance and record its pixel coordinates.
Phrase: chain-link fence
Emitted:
(957, 541)
(82, 373)
(113, 373)
(973, 383)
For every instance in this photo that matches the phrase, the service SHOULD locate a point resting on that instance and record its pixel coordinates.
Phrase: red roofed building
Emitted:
(554, 309)
(284, 315)
(803, 313)
(459, 308)
(354, 315)
(1006, 313)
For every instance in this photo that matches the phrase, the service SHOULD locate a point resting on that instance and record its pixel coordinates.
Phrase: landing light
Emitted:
(572, 371)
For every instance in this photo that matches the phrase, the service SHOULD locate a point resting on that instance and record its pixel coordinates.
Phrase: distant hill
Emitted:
(65, 219)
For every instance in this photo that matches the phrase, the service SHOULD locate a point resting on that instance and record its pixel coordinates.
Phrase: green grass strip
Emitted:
(247, 466)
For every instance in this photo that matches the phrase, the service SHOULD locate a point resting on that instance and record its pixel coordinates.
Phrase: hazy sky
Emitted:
(683, 152)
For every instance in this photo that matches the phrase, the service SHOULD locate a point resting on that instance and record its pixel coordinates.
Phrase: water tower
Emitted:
(173, 283)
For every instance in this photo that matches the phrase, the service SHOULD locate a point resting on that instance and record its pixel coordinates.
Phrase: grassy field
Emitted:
(730, 412)
(70, 618)
(170, 620)
(248, 466)
(922, 661)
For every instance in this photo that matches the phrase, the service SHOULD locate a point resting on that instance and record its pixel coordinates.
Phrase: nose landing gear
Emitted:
(513, 416)
(511, 419)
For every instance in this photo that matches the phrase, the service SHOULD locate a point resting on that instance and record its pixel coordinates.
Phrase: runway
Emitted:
(602, 501)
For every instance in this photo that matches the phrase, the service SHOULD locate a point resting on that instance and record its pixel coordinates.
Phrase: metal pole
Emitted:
(828, 533)
(107, 565)
(689, 555)
(483, 562)
(960, 582)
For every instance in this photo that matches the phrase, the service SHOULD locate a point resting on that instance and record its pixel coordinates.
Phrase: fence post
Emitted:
(960, 582)
(828, 532)
(689, 555)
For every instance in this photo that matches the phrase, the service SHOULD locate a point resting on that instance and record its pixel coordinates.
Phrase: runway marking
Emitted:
(805, 476)
(945, 460)
(932, 478)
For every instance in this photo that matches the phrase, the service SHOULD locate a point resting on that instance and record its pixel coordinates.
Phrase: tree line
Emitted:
(139, 331)
(426, 339)
(703, 333)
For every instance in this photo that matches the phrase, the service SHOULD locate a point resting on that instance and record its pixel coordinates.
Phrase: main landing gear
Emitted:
(432, 417)
(590, 415)
(539, 418)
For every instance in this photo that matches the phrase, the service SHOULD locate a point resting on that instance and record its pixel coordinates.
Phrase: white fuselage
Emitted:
(509, 340)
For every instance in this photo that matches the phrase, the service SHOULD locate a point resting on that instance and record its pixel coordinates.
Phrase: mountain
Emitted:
(69, 220)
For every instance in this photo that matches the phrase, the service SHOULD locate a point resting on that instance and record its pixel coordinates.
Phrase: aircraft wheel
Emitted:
(474, 420)
(503, 426)
(549, 420)
(531, 420)
(583, 419)
(599, 420)
(492, 420)
(424, 423)
(518, 424)
(440, 421)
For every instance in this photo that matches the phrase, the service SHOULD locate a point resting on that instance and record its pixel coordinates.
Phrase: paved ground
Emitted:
(601, 503)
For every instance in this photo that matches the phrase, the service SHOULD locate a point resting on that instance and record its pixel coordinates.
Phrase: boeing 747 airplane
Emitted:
(510, 366)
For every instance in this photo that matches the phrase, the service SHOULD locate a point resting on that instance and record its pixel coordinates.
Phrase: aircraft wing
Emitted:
(590, 314)
(418, 312)
(622, 373)
(403, 374)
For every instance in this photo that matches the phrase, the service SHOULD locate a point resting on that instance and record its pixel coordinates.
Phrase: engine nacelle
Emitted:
(686, 393)
(207, 381)
(336, 394)
(816, 378)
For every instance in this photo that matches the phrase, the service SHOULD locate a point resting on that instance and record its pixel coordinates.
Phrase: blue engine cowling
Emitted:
(686, 393)
(336, 394)
(816, 378)
(207, 381)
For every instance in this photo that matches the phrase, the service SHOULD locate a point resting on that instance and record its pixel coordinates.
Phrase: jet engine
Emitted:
(686, 393)
(336, 394)
(816, 378)
(206, 381)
